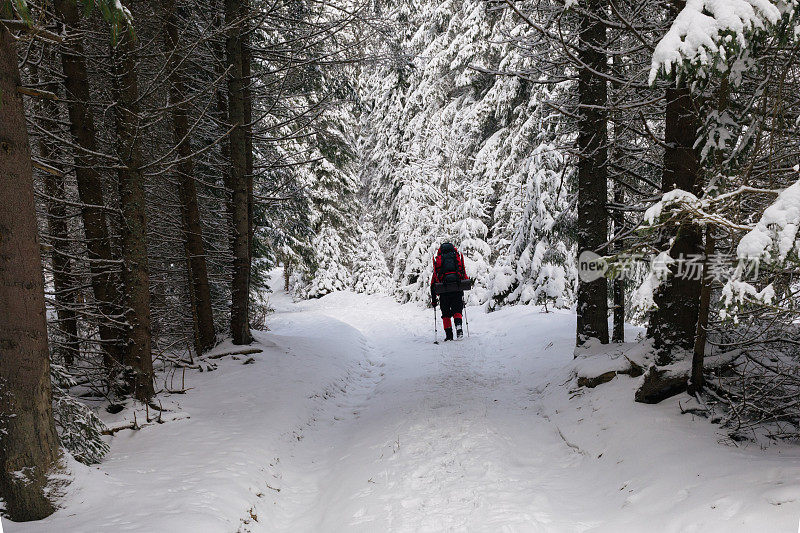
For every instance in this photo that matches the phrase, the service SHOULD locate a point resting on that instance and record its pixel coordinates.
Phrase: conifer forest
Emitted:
(227, 285)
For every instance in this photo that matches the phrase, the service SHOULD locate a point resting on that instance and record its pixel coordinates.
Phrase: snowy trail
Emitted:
(433, 446)
(352, 420)
(472, 436)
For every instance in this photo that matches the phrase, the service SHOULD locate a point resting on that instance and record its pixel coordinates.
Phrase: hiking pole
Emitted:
(466, 319)
(435, 326)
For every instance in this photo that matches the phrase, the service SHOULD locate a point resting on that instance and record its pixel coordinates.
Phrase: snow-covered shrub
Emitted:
(330, 274)
(79, 428)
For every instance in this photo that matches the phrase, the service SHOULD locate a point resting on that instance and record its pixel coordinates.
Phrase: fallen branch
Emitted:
(575, 447)
(46, 168)
(135, 426)
(240, 352)
(37, 93)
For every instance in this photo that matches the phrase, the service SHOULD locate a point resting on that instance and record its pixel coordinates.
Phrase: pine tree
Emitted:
(193, 230)
(469, 233)
(90, 189)
(135, 273)
(592, 224)
(370, 273)
(239, 181)
(29, 451)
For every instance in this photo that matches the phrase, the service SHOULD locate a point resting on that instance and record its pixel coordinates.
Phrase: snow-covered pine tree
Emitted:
(532, 219)
(453, 124)
(334, 218)
(469, 232)
(330, 274)
(418, 223)
(370, 273)
(80, 430)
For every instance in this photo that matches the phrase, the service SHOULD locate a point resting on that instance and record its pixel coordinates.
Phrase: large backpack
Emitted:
(449, 268)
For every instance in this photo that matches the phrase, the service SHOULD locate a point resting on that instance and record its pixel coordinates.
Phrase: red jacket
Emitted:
(438, 275)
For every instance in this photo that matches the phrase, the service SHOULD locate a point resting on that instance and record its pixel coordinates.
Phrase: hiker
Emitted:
(448, 267)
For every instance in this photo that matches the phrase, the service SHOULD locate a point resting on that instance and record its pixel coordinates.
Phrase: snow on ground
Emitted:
(353, 420)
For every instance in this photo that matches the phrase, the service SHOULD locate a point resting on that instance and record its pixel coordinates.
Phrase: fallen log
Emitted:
(239, 352)
(660, 383)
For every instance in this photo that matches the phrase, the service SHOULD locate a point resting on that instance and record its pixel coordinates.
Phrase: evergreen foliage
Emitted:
(456, 153)
(79, 429)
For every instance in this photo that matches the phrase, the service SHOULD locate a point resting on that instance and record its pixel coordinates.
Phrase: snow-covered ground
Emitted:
(351, 419)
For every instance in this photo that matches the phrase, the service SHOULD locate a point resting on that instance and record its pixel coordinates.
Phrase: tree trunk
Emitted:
(29, 450)
(90, 190)
(248, 118)
(135, 273)
(697, 379)
(193, 231)
(64, 283)
(63, 279)
(239, 204)
(674, 324)
(618, 334)
(592, 170)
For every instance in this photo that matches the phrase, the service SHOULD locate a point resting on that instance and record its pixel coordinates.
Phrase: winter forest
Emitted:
(220, 231)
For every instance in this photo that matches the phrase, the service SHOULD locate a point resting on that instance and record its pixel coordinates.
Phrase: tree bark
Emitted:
(135, 273)
(29, 450)
(248, 119)
(674, 324)
(698, 356)
(592, 170)
(63, 278)
(90, 191)
(192, 228)
(64, 283)
(618, 333)
(239, 205)
(697, 379)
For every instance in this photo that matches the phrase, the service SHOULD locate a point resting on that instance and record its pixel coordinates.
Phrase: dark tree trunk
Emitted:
(618, 333)
(239, 209)
(193, 230)
(29, 445)
(63, 278)
(592, 169)
(90, 190)
(248, 119)
(697, 379)
(135, 273)
(674, 324)
(64, 283)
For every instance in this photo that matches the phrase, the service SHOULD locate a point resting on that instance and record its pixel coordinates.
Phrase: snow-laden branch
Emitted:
(777, 229)
(704, 28)
(771, 240)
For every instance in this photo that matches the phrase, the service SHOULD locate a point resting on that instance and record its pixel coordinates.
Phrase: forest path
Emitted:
(350, 419)
(434, 437)
(490, 434)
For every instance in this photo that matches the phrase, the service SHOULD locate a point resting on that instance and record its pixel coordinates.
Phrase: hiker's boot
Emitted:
(459, 330)
(448, 334)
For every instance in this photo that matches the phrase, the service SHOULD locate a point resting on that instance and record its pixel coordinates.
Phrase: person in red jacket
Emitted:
(448, 267)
